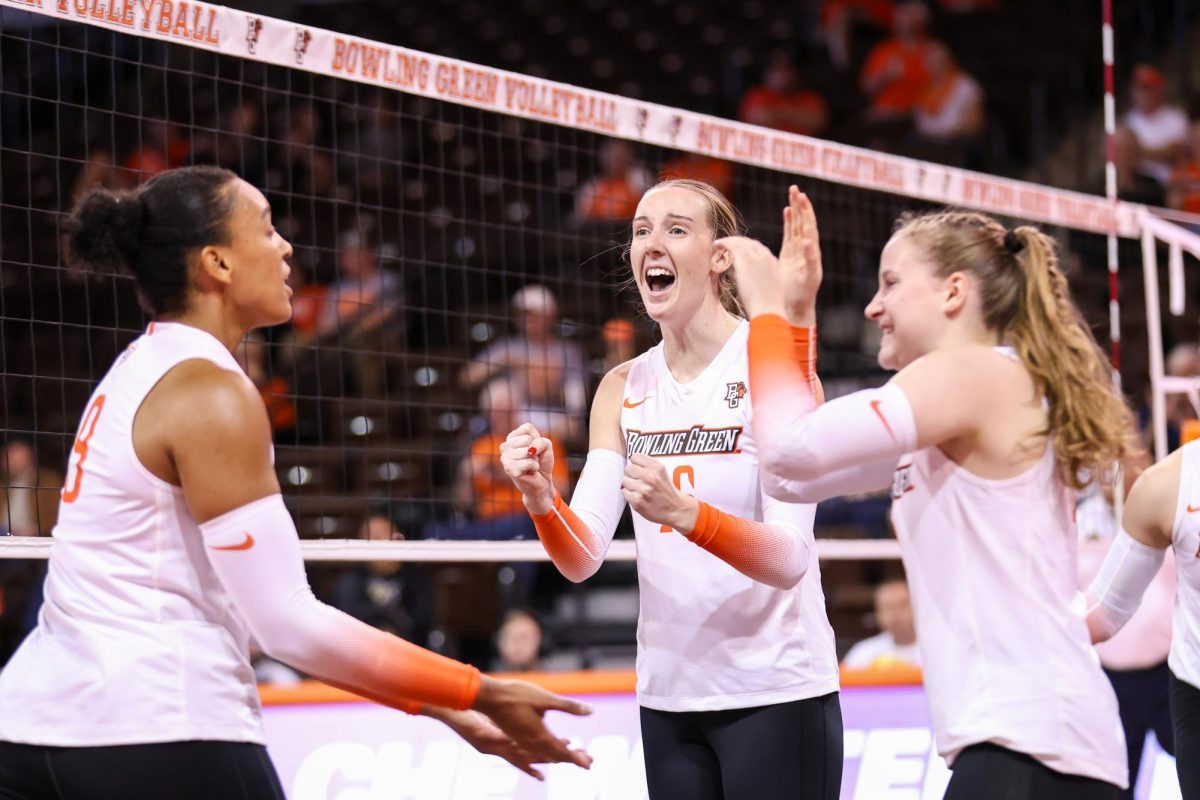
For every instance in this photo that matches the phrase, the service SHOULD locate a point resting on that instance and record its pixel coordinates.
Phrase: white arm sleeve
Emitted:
(851, 480)
(848, 445)
(1116, 591)
(796, 519)
(255, 552)
(597, 498)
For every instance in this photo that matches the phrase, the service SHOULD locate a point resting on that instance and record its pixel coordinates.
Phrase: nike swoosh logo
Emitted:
(245, 544)
(1193, 509)
(875, 407)
(628, 404)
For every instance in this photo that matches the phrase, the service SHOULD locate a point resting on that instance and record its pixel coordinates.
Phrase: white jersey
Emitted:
(709, 637)
(992, 570)
(137, 641)
(1184, 658)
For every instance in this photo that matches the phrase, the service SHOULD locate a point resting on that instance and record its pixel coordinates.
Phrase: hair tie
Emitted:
(1013, 243)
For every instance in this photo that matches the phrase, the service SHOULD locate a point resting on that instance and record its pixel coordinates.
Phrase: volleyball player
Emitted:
(173, 546)
(1163, 510)
(1001, 401)
(736, 670)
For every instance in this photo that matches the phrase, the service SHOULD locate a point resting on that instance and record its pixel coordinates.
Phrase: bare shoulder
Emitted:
(968, 369)
(613, 383)
(605, 427)
(218, 437)
(1150, 507)
(206, 397)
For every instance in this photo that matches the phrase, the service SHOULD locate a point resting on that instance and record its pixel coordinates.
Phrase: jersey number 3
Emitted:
(79, 452)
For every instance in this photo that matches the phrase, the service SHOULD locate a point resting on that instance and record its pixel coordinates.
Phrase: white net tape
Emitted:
(436, 551)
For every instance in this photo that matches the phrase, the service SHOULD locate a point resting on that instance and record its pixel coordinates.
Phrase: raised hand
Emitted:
(761, 283)
(800, 259)
(649, 492)
(517, 708)
(528, 459)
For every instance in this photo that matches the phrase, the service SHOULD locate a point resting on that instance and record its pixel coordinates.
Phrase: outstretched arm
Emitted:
(220, 448)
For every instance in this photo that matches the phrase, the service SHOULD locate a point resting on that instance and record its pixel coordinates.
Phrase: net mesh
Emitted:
(415, 221)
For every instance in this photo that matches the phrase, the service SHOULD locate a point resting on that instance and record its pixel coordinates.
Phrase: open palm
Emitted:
(800, 259)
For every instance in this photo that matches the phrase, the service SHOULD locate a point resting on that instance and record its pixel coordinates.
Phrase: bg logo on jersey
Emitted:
(697, 440)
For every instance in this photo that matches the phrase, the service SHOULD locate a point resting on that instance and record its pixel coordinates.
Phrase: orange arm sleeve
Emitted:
(573, 547)
(775, 554)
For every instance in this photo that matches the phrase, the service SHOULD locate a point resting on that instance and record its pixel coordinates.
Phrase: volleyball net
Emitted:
(436, 207)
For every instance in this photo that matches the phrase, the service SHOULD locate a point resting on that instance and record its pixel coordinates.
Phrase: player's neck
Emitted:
(212, 317)
(690, 348)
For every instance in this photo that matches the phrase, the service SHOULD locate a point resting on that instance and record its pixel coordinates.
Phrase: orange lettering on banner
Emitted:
(81, 8)
(987, 193)
(1033, 202)
(97, 10)
(465, 83)
(411, 71)
(793, 155)
(180, 28)
(211, 34)
(862, 169)
(165, 12)
(147, 7)
(373, 59)
(1085, 214)
(730, 142)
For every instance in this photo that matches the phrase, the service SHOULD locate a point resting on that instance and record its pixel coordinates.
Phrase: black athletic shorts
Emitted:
(787, 751)
(991, 772)
(199, 770)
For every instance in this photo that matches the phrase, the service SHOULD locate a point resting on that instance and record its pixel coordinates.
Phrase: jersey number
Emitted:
(79, 452)
(682, 471)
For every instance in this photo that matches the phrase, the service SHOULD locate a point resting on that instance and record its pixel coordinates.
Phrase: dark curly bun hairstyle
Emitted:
(151, 232)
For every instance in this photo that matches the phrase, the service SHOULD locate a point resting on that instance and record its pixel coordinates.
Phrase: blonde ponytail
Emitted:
(1024, 297)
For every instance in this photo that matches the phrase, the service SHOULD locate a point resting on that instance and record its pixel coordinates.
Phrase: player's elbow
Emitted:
(578, 571)
(787, 464)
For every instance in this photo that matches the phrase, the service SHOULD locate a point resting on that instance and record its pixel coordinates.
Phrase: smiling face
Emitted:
(909, 306)
(672, 255)
(257, 257)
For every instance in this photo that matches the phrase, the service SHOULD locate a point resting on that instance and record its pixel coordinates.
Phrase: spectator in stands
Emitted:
(160, 148)
(390, 595)
(301, 166)
(896, 71)
(620, 343)
(29, 502)
(549, 373)
(896, 642)
(308, 299)
(519, 642)
(948, 115)
(840, 19)
(483, 492)
(1161, 129)
(1183, 186)
(780, 101)
(1132, 184)
(613, 194)
(361, 310)
(276, 394)
(706, 169)
(101, 169)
